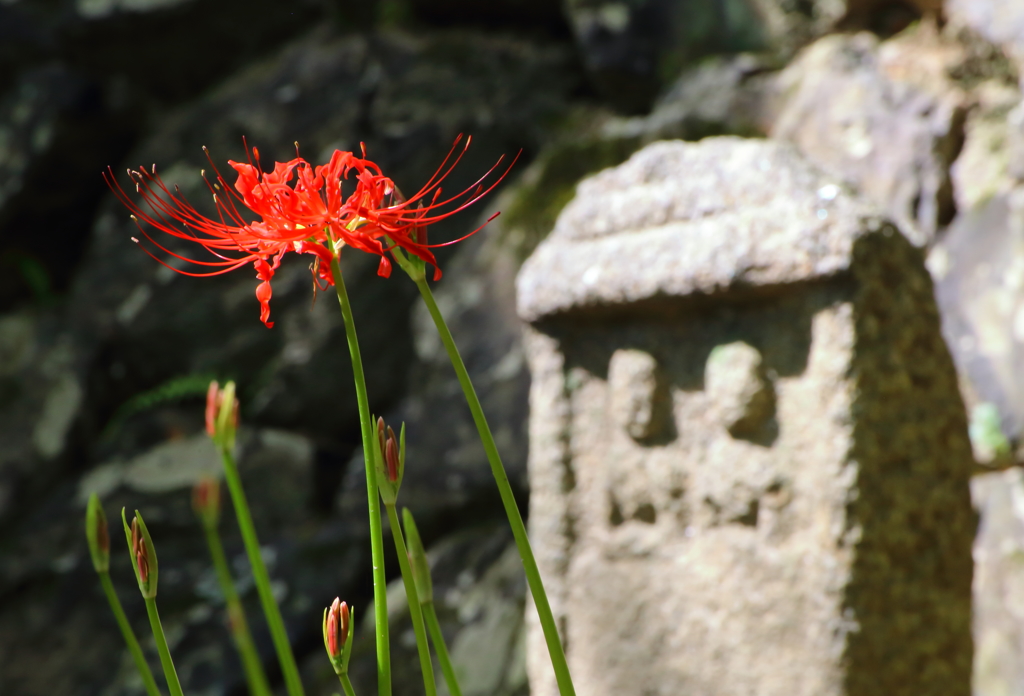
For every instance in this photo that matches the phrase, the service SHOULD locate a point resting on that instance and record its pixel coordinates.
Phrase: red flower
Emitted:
(300, 208)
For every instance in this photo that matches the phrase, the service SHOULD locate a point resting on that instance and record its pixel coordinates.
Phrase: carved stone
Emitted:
(797, 521)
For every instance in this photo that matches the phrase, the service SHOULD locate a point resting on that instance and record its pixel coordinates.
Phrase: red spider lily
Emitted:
(300, 208)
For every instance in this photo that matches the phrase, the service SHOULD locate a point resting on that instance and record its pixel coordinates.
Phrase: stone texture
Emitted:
(42, 389)
(884, 116)
(745, 234)
(741, 395)
(632, 49)
(998, 577)
(828, 555)
(999, 21)
(989, 163)
(978, 268)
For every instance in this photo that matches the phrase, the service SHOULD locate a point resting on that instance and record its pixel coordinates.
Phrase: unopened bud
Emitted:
(139, 552)
(97, 535)
(206, 500)
(142, 552)
(222, 414)
(338, 634)
(212, 408)
(389, 460)
(391, 456)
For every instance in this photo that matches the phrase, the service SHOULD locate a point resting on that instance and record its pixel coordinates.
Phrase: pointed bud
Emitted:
(222, 414)
(97, 535)
(418, 559)
(338, 635)
(143, 554)
(212, 407)
(391, 457)
(206, 500)
(389, 460)
(139, 552)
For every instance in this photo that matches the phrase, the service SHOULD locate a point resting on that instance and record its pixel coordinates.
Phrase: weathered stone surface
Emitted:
(56, 127)
(743, 232)
(999, 21)
(42, 393)
(740, 393)
(990, 162)
(830, 554)
(884, 116)
(998, 577)
(632, 49)
(978, 269)
(720, 96)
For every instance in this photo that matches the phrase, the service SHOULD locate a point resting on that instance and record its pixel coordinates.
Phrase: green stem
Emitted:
(380, 603)
(415, 610)
(434, 627)
(254, 674)
(129, 636)
(173, 685)
(346, 684)
(260, 576)
(540, 598)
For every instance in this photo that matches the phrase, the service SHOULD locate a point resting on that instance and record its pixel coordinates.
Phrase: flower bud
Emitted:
(417, 559)
(212, 408)
(97, 535)
(206, 500)
(391, 456)
(143, 555)
(338, 635)
(389, 460)
(222, 414)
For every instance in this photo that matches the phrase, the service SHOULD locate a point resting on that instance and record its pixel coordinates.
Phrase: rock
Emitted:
(502, 15)
(803, 559)
(885, 116)
(976, 269)
(98, 36)
(988, 164)
(720, 96)
(998, 574)
(999, 21)
(42, 389)
(631, 50)
(56, 127)
(739, 390)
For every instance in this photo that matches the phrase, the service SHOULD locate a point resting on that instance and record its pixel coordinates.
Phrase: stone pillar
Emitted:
(749, 459)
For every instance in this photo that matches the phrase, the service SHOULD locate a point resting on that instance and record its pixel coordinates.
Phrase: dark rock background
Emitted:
(105, 355)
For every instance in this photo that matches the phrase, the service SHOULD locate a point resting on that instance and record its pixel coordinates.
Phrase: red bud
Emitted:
(212, 408)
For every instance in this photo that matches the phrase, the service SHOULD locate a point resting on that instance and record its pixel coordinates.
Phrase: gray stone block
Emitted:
(799, 520)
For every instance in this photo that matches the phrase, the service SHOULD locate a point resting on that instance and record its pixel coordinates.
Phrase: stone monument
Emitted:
(749, 461)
